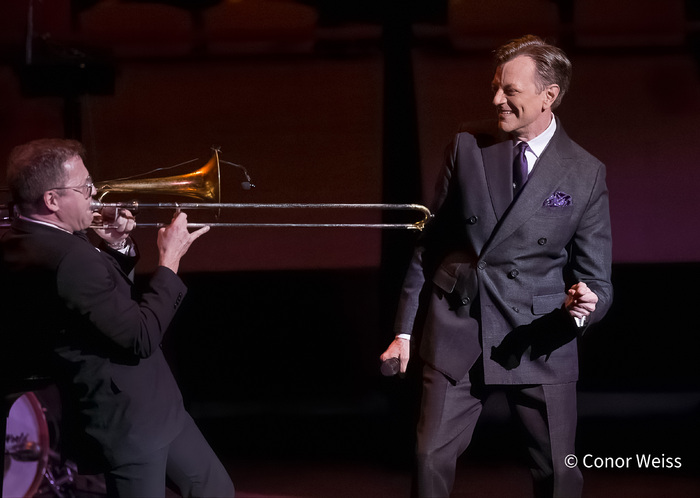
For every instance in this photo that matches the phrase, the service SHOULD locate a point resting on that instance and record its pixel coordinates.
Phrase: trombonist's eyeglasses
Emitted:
(86, 189)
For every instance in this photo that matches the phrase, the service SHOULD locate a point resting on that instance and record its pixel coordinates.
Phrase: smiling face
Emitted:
(524, 108)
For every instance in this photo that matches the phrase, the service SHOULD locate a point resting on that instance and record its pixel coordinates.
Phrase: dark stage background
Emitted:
(277, 346)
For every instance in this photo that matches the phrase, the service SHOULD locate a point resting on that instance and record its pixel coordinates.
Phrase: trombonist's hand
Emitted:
(120, 223)
(174, 240)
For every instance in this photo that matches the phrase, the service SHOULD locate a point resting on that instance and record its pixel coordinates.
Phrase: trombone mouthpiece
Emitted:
(96, 205)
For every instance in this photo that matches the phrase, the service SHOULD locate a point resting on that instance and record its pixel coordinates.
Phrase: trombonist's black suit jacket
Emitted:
(499, 268)
(74, 308)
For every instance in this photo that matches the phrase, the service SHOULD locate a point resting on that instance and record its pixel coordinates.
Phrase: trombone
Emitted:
(204, 185)
(136, 206)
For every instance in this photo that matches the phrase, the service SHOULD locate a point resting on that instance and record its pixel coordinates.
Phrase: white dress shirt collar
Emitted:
(538, 144)
(45, 223)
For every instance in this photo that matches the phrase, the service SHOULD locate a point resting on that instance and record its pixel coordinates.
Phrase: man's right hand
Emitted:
(399, 348)
(120, 222)
(174, 241)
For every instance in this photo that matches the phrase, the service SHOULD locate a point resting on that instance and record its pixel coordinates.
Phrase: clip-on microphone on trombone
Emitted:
(246, 185)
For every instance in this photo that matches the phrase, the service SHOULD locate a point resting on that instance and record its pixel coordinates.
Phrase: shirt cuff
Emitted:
(404, 336)
(124, 247)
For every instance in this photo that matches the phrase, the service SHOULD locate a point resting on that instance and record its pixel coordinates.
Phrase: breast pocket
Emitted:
(555, 212)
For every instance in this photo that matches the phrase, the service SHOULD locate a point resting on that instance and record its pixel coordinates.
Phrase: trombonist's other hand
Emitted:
(175, 239)
(120, 222)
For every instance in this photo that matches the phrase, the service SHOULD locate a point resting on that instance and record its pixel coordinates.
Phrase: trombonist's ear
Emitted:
(51, 200)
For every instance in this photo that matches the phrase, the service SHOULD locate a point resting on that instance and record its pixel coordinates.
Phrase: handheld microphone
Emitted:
(390, 367)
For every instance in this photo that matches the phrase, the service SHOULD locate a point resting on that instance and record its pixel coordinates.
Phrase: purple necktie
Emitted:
(520, 167)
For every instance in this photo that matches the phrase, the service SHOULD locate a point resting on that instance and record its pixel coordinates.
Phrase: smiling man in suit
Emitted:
(513, 268)
(73, 307)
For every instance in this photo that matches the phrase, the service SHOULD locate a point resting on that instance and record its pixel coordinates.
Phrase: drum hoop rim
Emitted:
(43, 433)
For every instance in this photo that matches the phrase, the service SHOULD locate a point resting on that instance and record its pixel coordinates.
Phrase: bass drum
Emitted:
(26, 448)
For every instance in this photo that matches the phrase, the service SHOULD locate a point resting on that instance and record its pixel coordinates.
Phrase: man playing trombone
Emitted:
(99, 337)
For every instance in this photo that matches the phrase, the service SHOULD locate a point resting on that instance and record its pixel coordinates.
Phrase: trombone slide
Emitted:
(137, 206)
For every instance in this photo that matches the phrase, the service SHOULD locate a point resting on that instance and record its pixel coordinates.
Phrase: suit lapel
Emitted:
(549, 172)
(499, 175)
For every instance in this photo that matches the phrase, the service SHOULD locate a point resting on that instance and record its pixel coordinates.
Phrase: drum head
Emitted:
(26, 448)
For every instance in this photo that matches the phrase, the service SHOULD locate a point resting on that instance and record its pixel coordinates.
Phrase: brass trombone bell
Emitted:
(204, 184)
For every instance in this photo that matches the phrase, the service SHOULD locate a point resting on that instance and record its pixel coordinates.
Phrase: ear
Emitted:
(51, 200)
(550, 95)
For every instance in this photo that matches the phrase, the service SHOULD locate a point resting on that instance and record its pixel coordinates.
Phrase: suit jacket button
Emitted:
(481, 265)
(516, 309)
(542, 241)
(465, 300)
(513, 273)
(472, 220)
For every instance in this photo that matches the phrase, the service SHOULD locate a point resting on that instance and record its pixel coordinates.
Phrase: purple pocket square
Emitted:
(558, 199)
